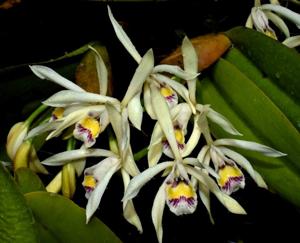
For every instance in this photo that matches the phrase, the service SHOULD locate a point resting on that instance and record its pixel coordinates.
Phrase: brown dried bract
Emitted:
(209, 48)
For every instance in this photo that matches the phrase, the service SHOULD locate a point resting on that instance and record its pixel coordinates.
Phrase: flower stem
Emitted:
(35, 114)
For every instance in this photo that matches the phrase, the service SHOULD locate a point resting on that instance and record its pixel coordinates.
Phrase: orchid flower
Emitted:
(229, 177)
(75, 106)
(177, 191)
(147, 74)
(262, 13)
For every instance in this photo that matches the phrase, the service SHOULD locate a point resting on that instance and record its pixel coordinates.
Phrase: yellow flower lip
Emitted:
(89, 182)
(231, 178)
(57, 113)
(87, 130)
(181, 197)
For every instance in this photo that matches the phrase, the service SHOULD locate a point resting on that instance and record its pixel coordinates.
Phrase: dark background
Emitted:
(40, 30)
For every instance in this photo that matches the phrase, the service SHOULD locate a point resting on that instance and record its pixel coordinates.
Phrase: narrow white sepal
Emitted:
(265, 150)
(123, 38)
(44, 72)
(141, 73)
(158, 210)
(292, 42)
(70, 155)
(222, 121)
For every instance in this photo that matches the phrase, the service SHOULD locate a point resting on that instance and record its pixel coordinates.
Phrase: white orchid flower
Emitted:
(76, 106)
(229, 177)
(177, 191)
(146, 74)
(180, 115)
(262, 13)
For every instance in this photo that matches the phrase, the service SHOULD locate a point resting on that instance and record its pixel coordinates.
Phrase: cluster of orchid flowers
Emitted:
(273, 11)
(172, 105)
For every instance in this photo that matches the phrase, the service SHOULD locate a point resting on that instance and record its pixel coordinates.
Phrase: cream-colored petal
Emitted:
(278, 22)
(284, 12)
(128, 208)
(158, 210)
(45, 127)
(123, 38)
(231, 204)
(74, 155)
(128, 162)
(154, 154)
(147, 101)
(96, 195)
(245, 164)
(175, 70)
(265, 150)
(194, 138)
(135, 111)
(140, 180)
(292, 42)
(249, 22)
(164, 118)
(101, 72)
(202, 153)
(68, 97)
(222, 121)
(190, 63)
(44, 72)
(141, 73)
(116, 122)
(204, 195)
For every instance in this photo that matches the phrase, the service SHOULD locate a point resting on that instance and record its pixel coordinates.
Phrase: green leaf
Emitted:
(28, 181)
(16, 222)
(61, 219)
(232, 94)
(280, 98)
(277, 61)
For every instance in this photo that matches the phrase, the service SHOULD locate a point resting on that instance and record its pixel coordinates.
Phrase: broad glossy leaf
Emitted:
(28, 181)
(285, 103)
(63, 220)
(277, 61)
(280, 175)
(16, 222)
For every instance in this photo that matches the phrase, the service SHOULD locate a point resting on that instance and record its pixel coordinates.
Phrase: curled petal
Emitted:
(44, 72)
(205, 198)
(278, 22)
(147, 102)
(265, 150)
(135, 111)
(202, 153)
(284, 12)
(140, 180)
